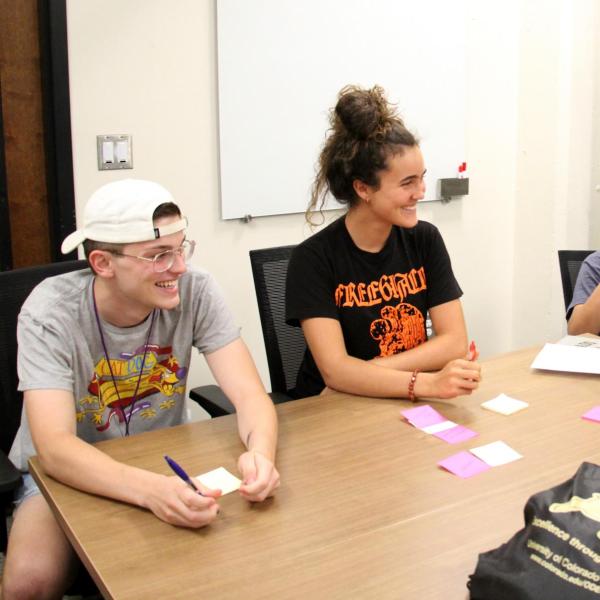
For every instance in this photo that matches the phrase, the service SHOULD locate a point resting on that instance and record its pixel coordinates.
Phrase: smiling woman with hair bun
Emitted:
(362, 287)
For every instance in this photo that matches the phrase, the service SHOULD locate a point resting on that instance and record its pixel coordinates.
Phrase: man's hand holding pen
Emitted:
(178, 504)
(194, 505)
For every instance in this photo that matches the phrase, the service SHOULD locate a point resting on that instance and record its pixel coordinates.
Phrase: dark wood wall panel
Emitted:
(24, 132)
(5, 247)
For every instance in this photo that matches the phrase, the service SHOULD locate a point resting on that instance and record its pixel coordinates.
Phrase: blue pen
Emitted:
(181, 473)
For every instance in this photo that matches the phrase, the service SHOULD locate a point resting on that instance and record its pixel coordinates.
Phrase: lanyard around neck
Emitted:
(126, 418)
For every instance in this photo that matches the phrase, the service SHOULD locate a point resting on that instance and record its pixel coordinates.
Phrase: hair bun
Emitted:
(363, 113)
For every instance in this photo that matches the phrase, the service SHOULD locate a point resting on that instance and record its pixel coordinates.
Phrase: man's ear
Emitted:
(102, 263)
(361, 189)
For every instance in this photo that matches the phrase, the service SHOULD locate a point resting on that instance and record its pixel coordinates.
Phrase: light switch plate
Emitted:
(121, 155)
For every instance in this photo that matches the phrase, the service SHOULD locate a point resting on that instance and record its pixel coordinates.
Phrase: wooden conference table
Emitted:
(363, 511)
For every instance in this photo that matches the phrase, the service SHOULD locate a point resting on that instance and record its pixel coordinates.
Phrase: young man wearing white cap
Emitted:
(104, 353)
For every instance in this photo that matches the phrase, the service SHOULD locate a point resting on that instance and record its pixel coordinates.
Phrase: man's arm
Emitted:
(234, 370)
(69, 459)
(585, 318)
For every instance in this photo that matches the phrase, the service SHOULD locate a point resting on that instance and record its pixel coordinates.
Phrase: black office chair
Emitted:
(570, 263)
(15, 286)
(212, 399)
(285, 345)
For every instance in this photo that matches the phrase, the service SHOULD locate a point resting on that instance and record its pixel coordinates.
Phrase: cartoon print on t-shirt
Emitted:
(400, 328)
(162, 375)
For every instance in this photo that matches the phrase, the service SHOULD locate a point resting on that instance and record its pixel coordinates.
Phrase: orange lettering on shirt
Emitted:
(396, 285)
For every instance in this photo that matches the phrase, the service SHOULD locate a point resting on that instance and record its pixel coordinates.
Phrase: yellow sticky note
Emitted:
(220, 479)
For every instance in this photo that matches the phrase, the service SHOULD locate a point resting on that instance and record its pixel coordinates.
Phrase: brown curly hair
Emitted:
(365, 131)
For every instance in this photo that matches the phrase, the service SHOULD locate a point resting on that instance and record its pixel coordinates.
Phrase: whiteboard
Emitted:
(281, 64)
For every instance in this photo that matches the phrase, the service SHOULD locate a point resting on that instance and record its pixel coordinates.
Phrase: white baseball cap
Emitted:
(121, 213)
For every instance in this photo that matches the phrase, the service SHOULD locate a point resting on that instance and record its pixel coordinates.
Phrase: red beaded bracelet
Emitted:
(411, 386)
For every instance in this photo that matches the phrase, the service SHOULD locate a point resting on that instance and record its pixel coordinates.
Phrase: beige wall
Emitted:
(594, 213)
(148, 68)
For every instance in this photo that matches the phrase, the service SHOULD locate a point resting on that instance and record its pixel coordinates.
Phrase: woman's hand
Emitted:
(458, 378)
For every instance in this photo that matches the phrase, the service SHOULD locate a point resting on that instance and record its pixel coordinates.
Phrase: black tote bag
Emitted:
(556, 556)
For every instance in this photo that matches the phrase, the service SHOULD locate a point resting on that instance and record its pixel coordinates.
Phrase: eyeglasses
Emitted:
(163, 261)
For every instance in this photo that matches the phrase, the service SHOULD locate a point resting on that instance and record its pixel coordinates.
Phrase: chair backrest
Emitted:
(285, 345)
(15, 286)
(570, 263)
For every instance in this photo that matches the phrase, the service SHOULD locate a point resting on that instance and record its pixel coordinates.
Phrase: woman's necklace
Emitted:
(126, 418)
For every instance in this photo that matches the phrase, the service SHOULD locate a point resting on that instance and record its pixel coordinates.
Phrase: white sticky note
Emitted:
(437, 427)
(496, 454)
(220, 479)
(504, 404)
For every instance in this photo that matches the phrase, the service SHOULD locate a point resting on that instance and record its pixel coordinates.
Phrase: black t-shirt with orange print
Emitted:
(380, 299)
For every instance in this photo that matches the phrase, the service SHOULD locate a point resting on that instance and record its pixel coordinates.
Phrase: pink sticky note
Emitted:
(457, 434)
(423, 416)
(593, 414)
(463, 464)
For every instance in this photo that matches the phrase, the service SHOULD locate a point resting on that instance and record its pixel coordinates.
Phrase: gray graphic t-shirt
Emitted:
(60, 348)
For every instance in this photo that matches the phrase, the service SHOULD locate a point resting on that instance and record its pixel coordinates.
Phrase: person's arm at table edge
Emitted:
(345, 373)
(450, 342)
(75, 462)
(234, 370)
(585, 318)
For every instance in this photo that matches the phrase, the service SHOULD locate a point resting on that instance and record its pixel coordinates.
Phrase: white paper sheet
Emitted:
(580, 340)
(573, 359)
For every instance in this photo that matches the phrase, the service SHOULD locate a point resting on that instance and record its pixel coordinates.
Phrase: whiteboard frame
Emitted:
(281, 64)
